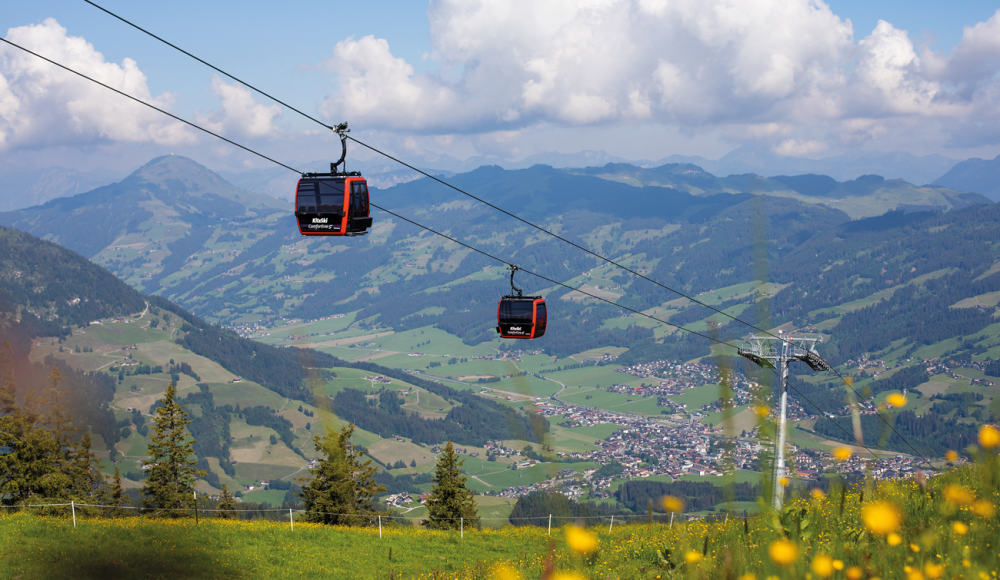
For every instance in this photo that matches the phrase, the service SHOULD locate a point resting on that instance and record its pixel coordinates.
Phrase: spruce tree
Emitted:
(114, 494)
(342, 489)
(171, 468)
(41, 461)
(450, 500)
(227, 504)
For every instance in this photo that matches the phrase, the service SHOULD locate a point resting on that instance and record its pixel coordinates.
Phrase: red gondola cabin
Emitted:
(521, 317)
(328, 205)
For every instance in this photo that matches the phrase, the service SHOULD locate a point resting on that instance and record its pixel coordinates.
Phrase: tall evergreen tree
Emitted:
(171, 467)
(342, 489)
(114, 495)
(42, 461)
(450, 500)
(227, 504)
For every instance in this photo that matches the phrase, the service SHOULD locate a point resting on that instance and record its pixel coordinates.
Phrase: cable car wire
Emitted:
(438, 233)
(713, 339)
(140, 101)
(209, 65)
(442, 182)
(425, 174)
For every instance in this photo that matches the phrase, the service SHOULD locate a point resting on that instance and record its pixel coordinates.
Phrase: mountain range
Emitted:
(890, 274)
(21, 189)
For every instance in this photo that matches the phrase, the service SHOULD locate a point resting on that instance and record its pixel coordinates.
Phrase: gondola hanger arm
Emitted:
(513, 288)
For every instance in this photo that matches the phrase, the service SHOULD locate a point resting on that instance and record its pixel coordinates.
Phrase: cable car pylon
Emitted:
(765, 351)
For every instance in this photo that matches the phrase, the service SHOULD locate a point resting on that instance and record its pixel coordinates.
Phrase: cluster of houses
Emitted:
(510, 355)
(934, 367)
(646, 446)
(246, 329)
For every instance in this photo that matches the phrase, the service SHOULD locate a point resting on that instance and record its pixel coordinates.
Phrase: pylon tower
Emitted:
(775, 352)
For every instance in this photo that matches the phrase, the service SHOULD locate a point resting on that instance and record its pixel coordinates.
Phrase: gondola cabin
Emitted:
(332, 206)
(521, 317)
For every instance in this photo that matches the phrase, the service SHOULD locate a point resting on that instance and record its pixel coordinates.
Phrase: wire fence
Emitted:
(85, 510)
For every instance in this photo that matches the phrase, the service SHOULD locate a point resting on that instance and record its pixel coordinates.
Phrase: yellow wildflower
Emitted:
(896, 400)
(881, 517)
(842, 453)
(672, 504)
(568, 576)
(957, 495)
(783, 481)
(989, 437)
(748, 576)
(894, 539)
(505, 572)
(784, 552)
(838, 564)
(961, 528)
(817, 493)
(914, 574)
(951, 455)
(984, 509)
(822, 566)
(854, 573)
(692, 557)
(914, 548)
(762, 411)
(580, 540)
(933, 570)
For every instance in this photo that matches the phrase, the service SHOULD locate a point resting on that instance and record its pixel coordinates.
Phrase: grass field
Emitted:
(696, 397)
(580, 438)
(594, 376)
(740, 476)
(273, 497)
(601, 399)
(949, 531)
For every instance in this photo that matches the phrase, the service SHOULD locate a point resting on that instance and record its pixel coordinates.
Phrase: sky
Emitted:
(639, 79)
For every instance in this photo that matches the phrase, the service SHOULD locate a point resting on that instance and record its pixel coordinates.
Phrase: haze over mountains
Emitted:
(21, 189)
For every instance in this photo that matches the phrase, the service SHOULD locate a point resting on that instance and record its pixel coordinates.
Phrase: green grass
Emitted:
(740, 476)
(697, 397)
(601, 399)
(123, 334)
(592, 376)
(245, 394)
(251, 472)
(580, 438)
(271, 496)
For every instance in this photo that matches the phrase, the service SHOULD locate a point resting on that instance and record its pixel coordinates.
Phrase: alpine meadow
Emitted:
(500, 290)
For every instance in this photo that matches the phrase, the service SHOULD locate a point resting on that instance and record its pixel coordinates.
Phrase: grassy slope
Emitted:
(32, 546)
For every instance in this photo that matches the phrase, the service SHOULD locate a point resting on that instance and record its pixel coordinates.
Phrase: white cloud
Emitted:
(793, 147)
(576, 62)
(740, 66)
(42, 105)
(240, 115)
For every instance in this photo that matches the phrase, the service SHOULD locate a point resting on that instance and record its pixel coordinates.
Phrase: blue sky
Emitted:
(639, 79)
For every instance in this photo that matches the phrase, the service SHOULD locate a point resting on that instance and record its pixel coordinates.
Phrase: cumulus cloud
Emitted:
(753, 69)
(686, 62)
(42, 105)
(240, 115)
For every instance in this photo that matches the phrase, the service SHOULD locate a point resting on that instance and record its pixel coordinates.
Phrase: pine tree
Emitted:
(171, 468)
(113, 494)
(342, 489)
(41, 462)
(450, 500)
(227, 504)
